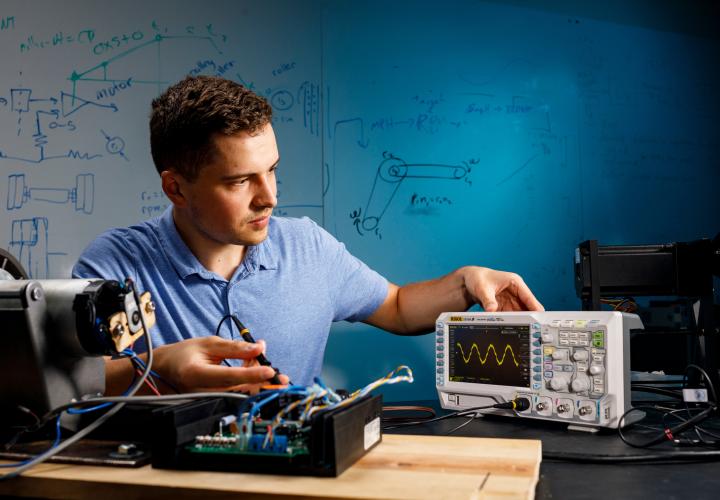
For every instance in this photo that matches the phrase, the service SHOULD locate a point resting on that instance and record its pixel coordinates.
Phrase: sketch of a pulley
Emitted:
(82, 195)
(390, 174)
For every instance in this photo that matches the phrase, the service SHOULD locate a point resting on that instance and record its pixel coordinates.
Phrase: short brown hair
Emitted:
(187, 115)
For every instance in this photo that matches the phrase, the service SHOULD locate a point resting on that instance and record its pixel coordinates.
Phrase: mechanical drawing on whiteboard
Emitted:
(390, 174)
(82, 195)
(29, 243)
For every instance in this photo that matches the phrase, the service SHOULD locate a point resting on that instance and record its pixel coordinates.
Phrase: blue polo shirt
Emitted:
(287, 291)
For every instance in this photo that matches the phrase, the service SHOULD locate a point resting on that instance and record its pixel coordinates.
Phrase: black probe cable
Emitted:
(247, 337)
(518, 404)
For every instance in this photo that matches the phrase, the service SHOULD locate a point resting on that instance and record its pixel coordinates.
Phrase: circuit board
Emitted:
(220, 434)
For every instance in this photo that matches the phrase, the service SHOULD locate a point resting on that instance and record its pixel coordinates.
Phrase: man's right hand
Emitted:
(195, 365)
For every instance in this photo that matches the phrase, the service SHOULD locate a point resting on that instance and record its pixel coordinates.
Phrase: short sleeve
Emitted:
(107, 257)
(355, 290)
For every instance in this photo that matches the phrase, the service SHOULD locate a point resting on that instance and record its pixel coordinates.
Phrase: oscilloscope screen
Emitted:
(489, 354)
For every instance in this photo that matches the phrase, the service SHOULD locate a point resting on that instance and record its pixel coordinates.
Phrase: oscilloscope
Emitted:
(573, 366)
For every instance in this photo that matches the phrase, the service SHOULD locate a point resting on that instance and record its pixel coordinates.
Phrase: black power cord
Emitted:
(518, 404)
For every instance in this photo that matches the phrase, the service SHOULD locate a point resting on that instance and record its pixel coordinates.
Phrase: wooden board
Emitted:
(401, 467)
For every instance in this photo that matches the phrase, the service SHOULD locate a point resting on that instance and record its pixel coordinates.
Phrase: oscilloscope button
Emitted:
(440, 363)
(440, 347)
(537, 368)
(548, 374)
(537, 352)
(547, 337)
(536, 386)
(536, 335)
(537, 360)
(537, 377)
(536, 344)
(440, 355)
(440, 370)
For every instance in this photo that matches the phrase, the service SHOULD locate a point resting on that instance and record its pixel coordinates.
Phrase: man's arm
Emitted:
(413, 308)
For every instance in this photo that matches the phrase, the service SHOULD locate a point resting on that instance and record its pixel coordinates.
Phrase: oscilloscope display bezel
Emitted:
(486, 362)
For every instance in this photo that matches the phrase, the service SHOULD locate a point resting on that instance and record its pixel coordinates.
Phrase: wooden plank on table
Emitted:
(401, 467)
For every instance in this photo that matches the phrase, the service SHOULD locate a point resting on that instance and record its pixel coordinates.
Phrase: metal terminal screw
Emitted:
(585, 410)
(540, 406)
(135, 317)
(118, 330)
(127, 449)
(562, 408)
(36, 294)
(149, 307)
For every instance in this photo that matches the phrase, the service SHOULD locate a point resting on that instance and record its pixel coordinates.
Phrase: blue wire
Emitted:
(132, 354)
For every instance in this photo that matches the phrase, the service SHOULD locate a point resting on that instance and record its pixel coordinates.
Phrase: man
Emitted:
(217, 251)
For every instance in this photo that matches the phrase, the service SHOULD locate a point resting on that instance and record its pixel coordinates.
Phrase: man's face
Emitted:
(231, 200)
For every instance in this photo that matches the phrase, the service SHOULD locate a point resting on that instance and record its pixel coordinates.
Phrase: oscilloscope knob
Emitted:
(581, 384)
(596, 369)
(580, 355)
(558, 384)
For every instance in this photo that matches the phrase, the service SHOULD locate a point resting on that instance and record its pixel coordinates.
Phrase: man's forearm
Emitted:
(419, 304)
(413, 309)
(118, 375)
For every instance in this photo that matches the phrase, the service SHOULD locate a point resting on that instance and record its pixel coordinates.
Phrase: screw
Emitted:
(118, 330)
(36, 294)
(149, 307)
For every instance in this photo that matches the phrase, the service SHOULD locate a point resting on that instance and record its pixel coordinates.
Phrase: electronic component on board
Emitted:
(573, 367)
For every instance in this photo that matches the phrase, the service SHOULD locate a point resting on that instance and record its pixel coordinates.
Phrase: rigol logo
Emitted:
(456, 318)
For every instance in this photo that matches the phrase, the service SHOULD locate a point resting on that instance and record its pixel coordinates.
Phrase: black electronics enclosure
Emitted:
(337, 440)
(677, 332)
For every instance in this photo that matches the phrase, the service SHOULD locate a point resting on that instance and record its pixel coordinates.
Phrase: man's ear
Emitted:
(172, 183)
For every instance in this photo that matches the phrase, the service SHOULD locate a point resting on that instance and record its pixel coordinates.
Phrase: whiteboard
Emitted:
(75, 96)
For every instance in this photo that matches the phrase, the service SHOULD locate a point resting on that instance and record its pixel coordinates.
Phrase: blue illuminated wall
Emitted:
(424, 135)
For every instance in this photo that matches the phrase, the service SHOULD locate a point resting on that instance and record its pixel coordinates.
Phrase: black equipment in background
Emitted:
(677, 332)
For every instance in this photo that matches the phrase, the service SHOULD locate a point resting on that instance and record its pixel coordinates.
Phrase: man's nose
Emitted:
(265, 195)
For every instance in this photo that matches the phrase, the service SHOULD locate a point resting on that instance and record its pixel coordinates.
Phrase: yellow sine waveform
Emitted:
(475, 348)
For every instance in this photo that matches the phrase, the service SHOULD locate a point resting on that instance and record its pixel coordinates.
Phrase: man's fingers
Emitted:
(221, 376)
(486, 296)
(217, 347)
(528, 299)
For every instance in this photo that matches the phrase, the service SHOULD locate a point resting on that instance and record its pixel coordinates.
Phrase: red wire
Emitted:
(148, 383)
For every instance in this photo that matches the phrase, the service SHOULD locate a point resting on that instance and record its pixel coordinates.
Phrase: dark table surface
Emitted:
(586, 481)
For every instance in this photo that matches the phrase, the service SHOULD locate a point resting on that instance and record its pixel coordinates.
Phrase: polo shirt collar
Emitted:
(262, 256)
